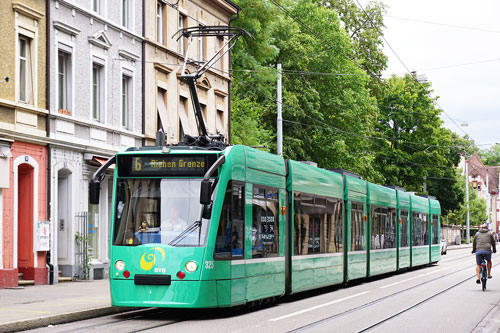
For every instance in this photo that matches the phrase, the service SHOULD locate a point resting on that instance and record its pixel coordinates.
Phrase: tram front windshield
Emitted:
(165, 211)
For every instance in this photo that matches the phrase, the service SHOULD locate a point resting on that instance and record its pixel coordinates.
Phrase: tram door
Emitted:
(264, 266)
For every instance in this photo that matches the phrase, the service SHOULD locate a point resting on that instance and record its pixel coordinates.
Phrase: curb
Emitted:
(61, 318)
(490, 323)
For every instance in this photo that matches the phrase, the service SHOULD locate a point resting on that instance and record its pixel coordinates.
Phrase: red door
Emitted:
(25, 217)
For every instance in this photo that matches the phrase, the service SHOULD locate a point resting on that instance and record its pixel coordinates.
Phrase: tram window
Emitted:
(357, 227)
(419, 229)
(435, 224)
(265, 222)
(230, 235)
(317, 224)
(404, 228)
(383, 228)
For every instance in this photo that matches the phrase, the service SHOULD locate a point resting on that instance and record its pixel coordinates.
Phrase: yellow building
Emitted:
(23, 152)
(167, 100)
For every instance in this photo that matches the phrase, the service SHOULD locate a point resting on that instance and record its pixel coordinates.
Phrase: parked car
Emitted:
(444, 246)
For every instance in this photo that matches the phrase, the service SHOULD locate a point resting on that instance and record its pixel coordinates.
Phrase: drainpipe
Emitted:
(143, 71)
(229, 82)
(48, 257)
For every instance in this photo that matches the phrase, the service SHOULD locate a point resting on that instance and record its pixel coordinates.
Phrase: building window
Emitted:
(182, 25)
(163, 121)
(220, 63)
(126, 13)
(126, 101)
(183, 116)
(25, 82)
(64, 82)
(96, 6)
(97, 91)
(219, 122)
(201, 47)
(159, 21)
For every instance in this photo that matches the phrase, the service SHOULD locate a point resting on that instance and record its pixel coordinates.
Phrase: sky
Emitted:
(459, 53)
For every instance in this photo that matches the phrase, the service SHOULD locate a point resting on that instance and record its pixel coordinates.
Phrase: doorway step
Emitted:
(23, 282)
(64, 278)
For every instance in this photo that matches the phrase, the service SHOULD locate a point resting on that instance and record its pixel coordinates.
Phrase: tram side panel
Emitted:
(316, 231)
(420, 225)
(357, 228)
(435, 215)
(404, 229)
(382, 219)
(265, 225)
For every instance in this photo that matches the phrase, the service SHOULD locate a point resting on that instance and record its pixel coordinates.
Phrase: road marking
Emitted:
(418, 276)
(318, 306)
(87, 300)
(28, 311)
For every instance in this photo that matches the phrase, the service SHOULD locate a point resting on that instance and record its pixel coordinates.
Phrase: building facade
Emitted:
(167, 100)
(95, 109)
(23, 143)
(485, 180)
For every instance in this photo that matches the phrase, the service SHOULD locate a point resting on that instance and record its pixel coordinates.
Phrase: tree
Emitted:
(409, 124)
(490, 156)
(477, 209)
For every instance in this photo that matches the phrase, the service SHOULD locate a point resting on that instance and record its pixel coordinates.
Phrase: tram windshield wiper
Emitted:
(187, 232)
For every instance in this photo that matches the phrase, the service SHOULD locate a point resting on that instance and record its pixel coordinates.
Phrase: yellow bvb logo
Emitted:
(148, 261)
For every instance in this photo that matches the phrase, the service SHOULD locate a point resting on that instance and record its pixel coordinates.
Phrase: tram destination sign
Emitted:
(165, 165)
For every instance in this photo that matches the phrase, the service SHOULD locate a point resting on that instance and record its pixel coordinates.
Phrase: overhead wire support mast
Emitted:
(232, 34)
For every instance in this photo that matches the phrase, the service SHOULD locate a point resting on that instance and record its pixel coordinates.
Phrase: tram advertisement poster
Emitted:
(267, 229)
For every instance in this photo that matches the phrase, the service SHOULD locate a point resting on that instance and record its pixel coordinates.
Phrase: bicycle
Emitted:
(483, 274)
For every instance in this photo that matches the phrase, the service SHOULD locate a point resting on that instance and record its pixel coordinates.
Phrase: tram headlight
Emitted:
(119, 265)
(191, 266)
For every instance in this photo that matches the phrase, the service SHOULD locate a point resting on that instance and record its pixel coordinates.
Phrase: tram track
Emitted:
(374, 302)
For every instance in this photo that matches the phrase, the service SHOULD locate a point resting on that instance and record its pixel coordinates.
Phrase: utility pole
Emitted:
(425, 183)
(487, 199)
(467, 232)
(280, 119)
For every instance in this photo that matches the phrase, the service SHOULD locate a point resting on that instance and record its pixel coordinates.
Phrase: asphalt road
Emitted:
(438, 298)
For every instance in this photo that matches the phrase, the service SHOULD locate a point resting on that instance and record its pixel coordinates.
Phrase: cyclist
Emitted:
(482, 247)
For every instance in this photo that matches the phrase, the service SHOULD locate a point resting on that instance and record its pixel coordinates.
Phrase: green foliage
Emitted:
(477, 210)
(84, 243)
(490, 156)
(389, 131)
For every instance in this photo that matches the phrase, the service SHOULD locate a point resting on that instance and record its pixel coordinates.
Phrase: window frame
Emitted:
(97, 92)
(229, 189)
(67, 91)
(276, 226)
(362, 224)
(324, 231)
(126, 112)
(160, 7)
(383, 217)
(25, 69)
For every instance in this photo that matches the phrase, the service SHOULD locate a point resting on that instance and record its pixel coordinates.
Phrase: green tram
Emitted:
(199, 228)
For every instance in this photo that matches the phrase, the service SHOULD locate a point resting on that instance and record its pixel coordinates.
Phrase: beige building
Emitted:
(167, 100)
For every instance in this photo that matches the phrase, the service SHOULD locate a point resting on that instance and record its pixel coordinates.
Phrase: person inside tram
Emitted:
(483, 246)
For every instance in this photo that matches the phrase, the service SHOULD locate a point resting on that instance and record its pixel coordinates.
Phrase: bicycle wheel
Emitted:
(483, 277)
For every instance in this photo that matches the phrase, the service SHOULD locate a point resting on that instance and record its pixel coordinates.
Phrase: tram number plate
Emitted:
(209, 264)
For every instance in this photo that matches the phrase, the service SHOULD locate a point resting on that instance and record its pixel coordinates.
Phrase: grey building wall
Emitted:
(79, 143)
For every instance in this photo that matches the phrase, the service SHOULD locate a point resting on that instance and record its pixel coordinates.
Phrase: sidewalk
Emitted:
(40, 306)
